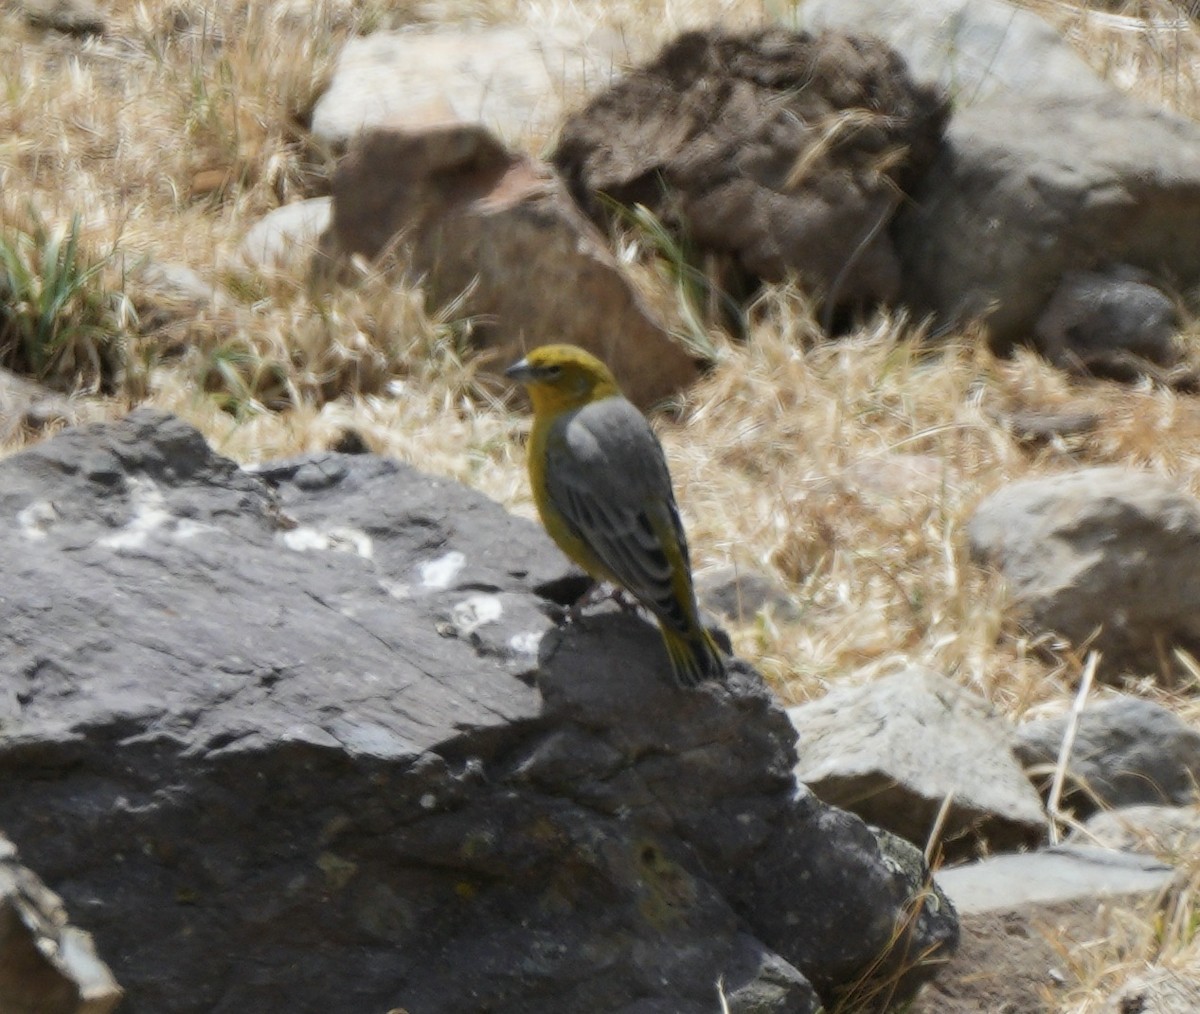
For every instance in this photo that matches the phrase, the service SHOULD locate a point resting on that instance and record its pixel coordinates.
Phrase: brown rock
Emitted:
(496, 234)
(784, 151)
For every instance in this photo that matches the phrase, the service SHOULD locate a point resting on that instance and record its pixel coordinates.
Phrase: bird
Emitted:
(603, 491)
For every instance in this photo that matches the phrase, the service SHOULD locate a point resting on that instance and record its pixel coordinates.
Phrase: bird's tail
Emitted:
(695, 657)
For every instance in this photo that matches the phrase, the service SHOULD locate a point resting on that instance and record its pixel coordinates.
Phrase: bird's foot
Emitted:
(598, 593)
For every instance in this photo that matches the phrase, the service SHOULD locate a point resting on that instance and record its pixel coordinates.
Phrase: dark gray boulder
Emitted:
(1127, 752)
(308, 740)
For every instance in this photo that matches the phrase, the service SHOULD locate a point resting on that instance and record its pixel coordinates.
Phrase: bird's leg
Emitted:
(622, 598)
(574, 612)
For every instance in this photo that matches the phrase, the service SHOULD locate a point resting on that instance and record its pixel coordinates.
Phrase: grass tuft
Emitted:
(59, 322)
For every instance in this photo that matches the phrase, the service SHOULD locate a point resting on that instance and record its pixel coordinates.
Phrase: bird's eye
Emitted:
(553, 372)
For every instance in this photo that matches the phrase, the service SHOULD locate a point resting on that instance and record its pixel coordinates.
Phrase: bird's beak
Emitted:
(520, 371)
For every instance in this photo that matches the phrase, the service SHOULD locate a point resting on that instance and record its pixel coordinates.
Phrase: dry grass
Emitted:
(845, 470)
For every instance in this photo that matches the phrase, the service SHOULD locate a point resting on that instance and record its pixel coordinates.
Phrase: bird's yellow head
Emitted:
(563, 377)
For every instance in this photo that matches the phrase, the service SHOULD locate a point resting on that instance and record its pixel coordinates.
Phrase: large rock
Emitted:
(1026, 190)
(972, 49)
(782, 152)
(511, 79)
(1126, 752)
(894, 750)
(1099, 549)
(47, 966)
(1046, 169)
(495, 235)
(306, 740)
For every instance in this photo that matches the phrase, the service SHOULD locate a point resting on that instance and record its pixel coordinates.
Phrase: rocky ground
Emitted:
(918, 317)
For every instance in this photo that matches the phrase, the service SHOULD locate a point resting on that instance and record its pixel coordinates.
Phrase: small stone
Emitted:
(288, 235)
(741, 595)
(1167, 832)
(1043, 426)
(1092, 315)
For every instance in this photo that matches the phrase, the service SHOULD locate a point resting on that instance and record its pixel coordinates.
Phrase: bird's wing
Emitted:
(607, 476)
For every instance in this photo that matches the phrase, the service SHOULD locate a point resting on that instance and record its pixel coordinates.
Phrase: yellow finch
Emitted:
(602, 488)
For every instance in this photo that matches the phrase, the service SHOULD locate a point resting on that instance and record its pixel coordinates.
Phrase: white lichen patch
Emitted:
(148, 515)
(37, 519)
(439, 573)
(472, 613)
(186, 528)
(306, 539)
(526, 643)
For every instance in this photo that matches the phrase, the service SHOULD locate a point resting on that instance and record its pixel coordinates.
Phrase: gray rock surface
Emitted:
(47, 966)
(1126, 752)
(1064, 873)
(970, 48)
(894, 749)
(1105, 548)
(306, 740)
(1021, 912)
(1026, 190)
(511, 79)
